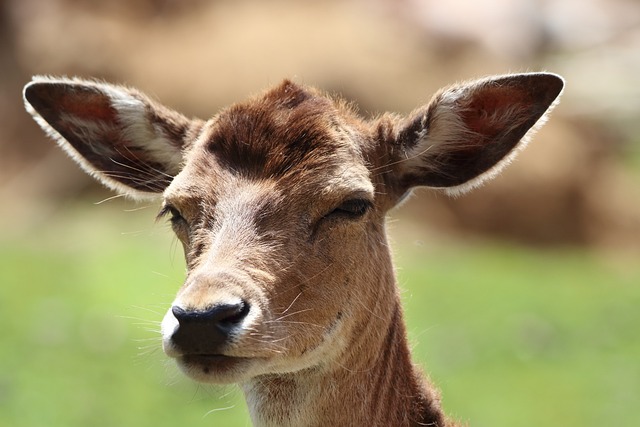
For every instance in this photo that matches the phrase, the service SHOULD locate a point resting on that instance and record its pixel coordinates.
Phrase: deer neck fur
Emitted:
(373, 382)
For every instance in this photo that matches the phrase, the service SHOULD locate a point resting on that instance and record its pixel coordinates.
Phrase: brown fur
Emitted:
(279, 203)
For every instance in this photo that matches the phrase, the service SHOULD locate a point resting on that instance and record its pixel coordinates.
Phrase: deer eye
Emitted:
(174, 215)
(351, 208)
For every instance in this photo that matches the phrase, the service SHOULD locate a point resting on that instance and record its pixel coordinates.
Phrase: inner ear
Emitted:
(468, 132)
(117, 134)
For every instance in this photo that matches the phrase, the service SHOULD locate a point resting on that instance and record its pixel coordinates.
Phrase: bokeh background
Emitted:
(522, 298)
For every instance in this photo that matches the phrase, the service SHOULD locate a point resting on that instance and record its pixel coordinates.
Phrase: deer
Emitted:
(280, 205)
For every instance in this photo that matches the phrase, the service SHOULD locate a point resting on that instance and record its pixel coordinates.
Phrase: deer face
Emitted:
(276, 212)
(280, 202)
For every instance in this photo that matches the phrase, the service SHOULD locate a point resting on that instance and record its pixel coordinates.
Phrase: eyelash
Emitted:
(352, 209)
(173, 214)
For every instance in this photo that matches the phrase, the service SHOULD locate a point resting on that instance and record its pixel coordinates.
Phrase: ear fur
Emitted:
(116, 134)
(470, 131)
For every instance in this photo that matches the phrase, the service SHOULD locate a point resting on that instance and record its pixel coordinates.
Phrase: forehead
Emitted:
(290, 135)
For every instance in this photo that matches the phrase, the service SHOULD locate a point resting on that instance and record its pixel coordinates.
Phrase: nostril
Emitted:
(179, 313)
(234, 314)
(220, 314)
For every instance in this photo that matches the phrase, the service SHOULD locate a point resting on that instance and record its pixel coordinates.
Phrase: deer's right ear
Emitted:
(118, 135)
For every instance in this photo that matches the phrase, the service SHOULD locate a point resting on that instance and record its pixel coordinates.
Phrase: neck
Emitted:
(379, 386)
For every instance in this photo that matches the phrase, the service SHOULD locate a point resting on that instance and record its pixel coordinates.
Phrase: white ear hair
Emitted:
(471, 131)
(115, 133)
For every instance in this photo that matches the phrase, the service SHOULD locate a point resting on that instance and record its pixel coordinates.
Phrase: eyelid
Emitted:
(355, 202)
(355, 207)
(169, 209)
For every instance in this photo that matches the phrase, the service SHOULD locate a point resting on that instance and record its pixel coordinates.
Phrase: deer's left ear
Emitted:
(468, 132)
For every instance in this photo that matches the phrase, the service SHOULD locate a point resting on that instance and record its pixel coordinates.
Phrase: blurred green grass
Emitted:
(511, 335)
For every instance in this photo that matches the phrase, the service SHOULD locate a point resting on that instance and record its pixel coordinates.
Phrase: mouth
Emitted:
(211, 362)
(213, 368)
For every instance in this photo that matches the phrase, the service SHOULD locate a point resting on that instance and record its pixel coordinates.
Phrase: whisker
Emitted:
(218, 409)
(290, 314)
(295, 322)
(140, 319)
(139, 307)
(108, 199)
(292, 302)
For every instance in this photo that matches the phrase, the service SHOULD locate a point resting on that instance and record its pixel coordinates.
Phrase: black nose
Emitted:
(207, 331)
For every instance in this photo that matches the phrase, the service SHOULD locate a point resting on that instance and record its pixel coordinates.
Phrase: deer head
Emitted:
(280, 202)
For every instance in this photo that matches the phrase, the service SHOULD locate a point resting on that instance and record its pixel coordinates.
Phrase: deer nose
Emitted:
(207, 331)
